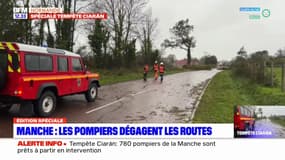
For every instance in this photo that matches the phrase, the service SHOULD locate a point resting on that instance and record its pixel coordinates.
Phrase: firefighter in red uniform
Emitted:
(155, 69)
(161, 71)
(145, 71)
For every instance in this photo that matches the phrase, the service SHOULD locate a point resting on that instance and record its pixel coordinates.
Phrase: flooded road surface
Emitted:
(172, 101)
(265, 128)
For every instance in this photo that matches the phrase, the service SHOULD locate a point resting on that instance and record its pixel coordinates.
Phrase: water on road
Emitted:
(172, 101)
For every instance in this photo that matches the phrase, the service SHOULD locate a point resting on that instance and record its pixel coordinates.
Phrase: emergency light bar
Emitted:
(53, 50)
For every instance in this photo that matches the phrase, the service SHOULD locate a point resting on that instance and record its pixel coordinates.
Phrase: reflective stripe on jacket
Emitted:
(155, 67)
(161, 69)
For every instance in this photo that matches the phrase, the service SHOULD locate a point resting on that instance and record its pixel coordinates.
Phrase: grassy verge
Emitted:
(123, 75)
(218, 100)
(278, 120)
(226, 90)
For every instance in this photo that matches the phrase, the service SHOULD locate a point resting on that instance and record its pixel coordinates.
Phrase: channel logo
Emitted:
(255, 13)
(266, 13)
(20, 13)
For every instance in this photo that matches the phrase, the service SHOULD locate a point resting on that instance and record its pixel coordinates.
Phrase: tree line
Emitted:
(38, 32)
(125, 39)
(259, 66)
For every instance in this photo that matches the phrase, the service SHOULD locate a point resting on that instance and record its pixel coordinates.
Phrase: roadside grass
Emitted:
(278, 74)
(123, 75)
(116, 76)
(266, 95)
(278, 120)
(226, 90)
(217, 102)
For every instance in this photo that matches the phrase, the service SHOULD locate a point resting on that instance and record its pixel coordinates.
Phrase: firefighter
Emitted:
(161, 71)
(155, 69)
(145, 71)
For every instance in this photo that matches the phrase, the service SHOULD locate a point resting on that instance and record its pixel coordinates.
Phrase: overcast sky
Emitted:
(272, 110)
(220, 28)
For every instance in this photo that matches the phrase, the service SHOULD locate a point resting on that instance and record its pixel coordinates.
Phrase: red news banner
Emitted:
(68, 15)
(40, 146)
(39, 120)
(26, 143)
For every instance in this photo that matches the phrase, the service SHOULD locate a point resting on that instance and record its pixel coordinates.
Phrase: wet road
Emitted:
(270, 129)
(172, 101)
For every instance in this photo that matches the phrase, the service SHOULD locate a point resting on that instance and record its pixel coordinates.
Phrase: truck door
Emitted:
(78, 74)
(65, 82)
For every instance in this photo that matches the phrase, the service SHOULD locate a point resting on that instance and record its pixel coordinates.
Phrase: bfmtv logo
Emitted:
(20, 13)
(20, 16)
(20, 3)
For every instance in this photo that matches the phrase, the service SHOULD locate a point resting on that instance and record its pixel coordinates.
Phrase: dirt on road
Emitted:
(172, 101)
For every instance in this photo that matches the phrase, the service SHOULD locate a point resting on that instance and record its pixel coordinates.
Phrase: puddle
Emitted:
(153, 113)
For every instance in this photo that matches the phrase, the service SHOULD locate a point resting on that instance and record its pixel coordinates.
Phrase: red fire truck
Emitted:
(40, 75)
(244, 118)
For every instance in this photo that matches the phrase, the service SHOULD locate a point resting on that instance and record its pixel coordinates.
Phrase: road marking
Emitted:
(104, 106)
(119, 100)
(141, 92)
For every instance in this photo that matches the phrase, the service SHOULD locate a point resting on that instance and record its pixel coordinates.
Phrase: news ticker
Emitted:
(53, 13)
(59, 128)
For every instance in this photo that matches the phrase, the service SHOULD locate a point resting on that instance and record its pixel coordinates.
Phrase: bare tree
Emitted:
(124, 16)
(242, 52)
(260, 112)
(146, 34)
(181, 37)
